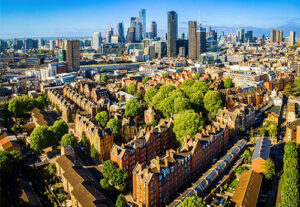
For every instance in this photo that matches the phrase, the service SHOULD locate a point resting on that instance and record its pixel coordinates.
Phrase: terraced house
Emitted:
(148, 144)
(99, 138)
(155, 183)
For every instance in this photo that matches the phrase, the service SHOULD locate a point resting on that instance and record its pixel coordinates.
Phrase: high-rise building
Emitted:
(192, 39)
(96, 41)
(138, 31)
(201, 41)
(249, 36)
(292, 38)
(51, 44)
(273, 36)
(172, 34)
(41, 43)
(109, 33)
(241, 35)
(61, 55)
(160, 49)
(120, 32)
(182, 47)
(28, 43)
(142, 20)
(73, 55)
(154, 29)
(130, 35)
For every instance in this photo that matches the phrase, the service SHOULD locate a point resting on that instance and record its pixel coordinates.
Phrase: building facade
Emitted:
(172, 34)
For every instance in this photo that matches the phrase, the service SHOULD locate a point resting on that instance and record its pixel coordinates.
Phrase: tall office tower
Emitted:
(241, 35)
(28, 43)
(73, 55)
(130, 35)
(139, 32)
(201, 41)
(192, 39)
(172, 34)
(160, 49)
(273, 36)
(120, 32)
(51, 44)
(249, 36)
(182, 35)
(292, 38)
(96, 41)
(109, 33)
(61, 55)
(280, 36)
(154, 29)
(277, 40)
(142, 20)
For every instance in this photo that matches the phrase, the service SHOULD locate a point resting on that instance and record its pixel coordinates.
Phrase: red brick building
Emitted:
(154, 184)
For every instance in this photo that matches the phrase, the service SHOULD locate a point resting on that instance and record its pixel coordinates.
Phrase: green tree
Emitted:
(146, 79)
(227, 83)
(162, 93)
(108, 168)
(104, 184)
(119, 178)
(187, 123)
(102, 118)
(212, 102)
(121, 201)
(84, 141)
(150, 93)
(132, 88)
(40, 138)
(69, 140)
(40, 102)
(115, 125)
(59, 129)
(133, 108)
(16, 106)
(187, 83)
(197, 76)
(139, 95)
(268, 168)
(52, 168)
(102, 70)
(192, 201)
(4, 105)
(247, 155)
(290, 151)
(104, 78)
(94, 153)
(287, 90)
(164, 75)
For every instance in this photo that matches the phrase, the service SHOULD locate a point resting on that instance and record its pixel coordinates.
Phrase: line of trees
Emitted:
(43, 137)
(290, 178)
(21, 105)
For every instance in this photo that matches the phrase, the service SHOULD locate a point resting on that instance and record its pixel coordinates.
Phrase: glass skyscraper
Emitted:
(142, 20)
(96, 41)
(120, 32)
(172, 33)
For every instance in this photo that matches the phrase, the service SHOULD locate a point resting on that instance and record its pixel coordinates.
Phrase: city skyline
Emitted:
(53, 19)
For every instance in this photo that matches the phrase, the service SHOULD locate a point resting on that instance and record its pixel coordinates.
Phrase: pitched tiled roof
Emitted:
(248, 188)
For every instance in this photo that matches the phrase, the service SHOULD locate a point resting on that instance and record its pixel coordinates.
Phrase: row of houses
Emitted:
(155, 183)
(143, 148)
(100, 139)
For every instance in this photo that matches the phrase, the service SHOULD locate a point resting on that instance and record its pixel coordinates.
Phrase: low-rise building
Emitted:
(261, 154)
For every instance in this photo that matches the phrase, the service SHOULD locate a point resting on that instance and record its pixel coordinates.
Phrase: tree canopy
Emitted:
(104, 184)
(59, 129)
(197, 76)
(187, 123)
(104, 78)
(287, 90)
(69, 140)
(268, 168)
(40, 138)
(102, 118)
(150, 93)
(212, 102)
(117, 176)
(227, 83)
(132, 88)
(133, 108)
(121, 201)
(146, 79)
(192, 201)
(115, 125)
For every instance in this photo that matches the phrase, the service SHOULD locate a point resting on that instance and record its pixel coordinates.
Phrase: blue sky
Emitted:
(50, 18)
